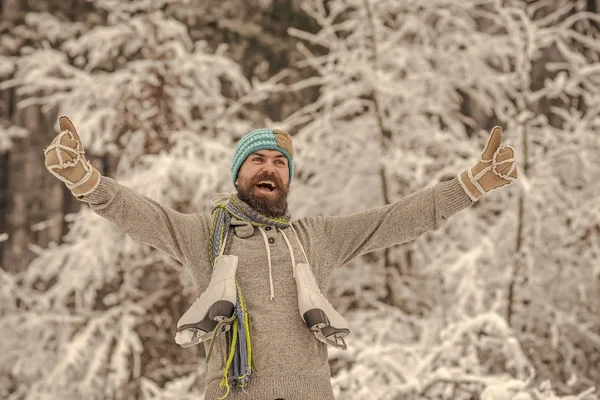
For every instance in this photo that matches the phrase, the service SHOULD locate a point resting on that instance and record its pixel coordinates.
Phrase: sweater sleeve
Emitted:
(339, 239)
(179, 235)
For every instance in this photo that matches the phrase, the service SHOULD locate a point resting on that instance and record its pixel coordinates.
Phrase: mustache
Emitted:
(268, 177)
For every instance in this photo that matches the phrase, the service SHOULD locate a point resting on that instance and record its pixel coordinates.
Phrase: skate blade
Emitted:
(201, 336)
(338, 338)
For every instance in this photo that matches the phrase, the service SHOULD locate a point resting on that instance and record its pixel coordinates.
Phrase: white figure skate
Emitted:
(215, 304)
(320, 317)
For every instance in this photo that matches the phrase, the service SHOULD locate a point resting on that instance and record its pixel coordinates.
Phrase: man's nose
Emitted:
(269, 167)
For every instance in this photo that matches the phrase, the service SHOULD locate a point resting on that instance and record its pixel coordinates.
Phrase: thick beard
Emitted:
(272, 208)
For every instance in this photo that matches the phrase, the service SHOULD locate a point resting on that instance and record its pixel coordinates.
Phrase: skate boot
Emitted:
(320, 317)
(214, 305)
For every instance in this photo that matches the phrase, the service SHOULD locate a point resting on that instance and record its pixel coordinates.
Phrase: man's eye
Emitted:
(280, 162)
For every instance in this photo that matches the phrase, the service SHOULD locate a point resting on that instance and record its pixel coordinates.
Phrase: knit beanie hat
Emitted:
(262, 139)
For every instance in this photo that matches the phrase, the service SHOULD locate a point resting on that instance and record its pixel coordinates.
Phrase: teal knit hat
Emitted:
(262, 139)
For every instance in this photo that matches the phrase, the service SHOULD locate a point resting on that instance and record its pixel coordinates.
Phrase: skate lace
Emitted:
(289, 245)
(217, 331)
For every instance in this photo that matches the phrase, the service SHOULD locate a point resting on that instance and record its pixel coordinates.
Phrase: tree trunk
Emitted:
(9, 9)
(35, 208)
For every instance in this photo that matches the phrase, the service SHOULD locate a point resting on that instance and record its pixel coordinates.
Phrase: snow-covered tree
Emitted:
(492, 305)
(553, 272)
(97, 314)
(408, 92)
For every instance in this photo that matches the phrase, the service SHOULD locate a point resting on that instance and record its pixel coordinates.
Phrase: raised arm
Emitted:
(340, 239)
(182, 236)
(179, 235)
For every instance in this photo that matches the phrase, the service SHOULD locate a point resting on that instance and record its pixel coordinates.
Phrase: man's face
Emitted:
(263, 182)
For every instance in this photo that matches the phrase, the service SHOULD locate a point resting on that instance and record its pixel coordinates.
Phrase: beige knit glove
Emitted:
(497, 167)
(65, 159)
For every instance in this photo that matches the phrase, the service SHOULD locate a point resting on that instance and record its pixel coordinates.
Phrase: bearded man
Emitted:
(261, 314)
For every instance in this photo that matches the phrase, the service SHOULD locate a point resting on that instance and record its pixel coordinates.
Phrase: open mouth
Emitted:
(266, 186)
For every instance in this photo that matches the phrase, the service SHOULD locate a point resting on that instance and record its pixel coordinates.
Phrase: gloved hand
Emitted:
(497, 167)
(65, 159)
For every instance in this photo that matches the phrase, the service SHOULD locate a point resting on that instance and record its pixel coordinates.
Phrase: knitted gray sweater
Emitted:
(289, 362)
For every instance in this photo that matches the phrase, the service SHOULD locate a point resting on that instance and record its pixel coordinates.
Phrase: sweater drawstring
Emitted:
(269, 261)
(289, 245)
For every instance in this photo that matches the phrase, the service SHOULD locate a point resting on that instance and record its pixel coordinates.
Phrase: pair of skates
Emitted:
(216, 304)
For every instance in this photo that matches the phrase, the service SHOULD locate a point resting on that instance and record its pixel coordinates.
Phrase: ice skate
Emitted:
(320, 317)
(215, 304)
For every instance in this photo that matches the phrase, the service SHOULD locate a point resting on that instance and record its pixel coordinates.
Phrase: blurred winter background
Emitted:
(383, 98)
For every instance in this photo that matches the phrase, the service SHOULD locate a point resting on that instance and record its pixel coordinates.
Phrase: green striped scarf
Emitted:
(238, 365)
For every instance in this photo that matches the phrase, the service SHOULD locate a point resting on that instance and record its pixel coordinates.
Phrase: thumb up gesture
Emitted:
(497, 167)
(65, 159)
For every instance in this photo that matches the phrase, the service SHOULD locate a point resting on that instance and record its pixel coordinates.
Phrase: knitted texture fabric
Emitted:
(239, 341)
(262, 139)
(288, 362)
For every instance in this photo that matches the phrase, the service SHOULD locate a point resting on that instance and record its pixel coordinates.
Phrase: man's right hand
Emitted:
(65, 159)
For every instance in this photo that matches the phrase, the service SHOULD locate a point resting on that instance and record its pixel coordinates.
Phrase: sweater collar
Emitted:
(242, 229)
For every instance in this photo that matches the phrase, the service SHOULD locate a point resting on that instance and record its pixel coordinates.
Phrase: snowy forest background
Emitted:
(383, 98)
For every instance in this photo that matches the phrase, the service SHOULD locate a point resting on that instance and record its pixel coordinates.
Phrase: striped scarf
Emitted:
(238, 338)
